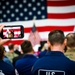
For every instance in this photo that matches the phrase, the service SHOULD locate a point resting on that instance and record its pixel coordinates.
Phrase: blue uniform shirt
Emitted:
(42, 53)
(6, 68)
(25, 64)
(54, 63)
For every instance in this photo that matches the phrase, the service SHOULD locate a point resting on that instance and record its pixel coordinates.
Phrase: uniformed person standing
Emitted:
(70, 53)
(55, 62)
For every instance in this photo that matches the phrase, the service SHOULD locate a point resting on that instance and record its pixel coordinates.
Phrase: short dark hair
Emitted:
(11, 46)
(26, 46)
(70, 39)
(56, 37)
(1, 52)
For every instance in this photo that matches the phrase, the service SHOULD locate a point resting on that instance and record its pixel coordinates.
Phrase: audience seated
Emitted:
(24, 65)
(55, 62)
(11, 54)
(70, 53)
(5, 68)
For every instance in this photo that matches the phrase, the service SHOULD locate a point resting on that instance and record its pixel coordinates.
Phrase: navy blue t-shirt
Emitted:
(6, 68)
(42, 53)
(24, 65)
(54, 63)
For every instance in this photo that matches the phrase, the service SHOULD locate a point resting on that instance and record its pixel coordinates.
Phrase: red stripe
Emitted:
(43, 29)
(61, 3)
(49, 28)
(14, 42)
(61, 16)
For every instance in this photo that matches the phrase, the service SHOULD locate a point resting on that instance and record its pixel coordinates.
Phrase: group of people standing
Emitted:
(57, 59)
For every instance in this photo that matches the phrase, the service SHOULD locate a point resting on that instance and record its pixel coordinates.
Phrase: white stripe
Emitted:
(61, 9)
(46, 22)
(11, 28)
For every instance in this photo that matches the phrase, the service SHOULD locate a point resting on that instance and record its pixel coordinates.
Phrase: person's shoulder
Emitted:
(70, 54)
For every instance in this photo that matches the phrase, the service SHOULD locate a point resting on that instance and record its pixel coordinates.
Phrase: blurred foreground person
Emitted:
(5, 59)
(55, 62)
(24, 65)
(5, 68)
(70, 53)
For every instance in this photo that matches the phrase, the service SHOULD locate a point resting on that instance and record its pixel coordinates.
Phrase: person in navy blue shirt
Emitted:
(55, 62)
(5, 68)
(24, 65)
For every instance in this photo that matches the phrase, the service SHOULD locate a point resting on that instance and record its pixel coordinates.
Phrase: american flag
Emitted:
(48, 14)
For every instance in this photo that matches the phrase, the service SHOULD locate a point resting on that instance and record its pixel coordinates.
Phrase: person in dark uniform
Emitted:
(55, 62)
(5, 68)
(24, 65)
(70, 52)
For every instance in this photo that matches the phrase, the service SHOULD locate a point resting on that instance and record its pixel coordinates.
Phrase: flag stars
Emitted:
(16, 10)
(8, 19)
(39, 12)
(15, 1)
(26, 18)
(33, 0)
(12, 15)
(43, 16)
(20, 5)
(24, 1)
(25, 9)
(0, 12)
(8, 11)
(29, 5)
(7, 3)
(17, 18)
(43, 8)
(21, 14)
(38, 4)
(1, 20)
(19, 10)
(3, 7)
(34, 8)
(30, 13)
(12, 6)
(4, 16)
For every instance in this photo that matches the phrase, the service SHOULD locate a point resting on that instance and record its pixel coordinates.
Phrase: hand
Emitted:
(2, 41)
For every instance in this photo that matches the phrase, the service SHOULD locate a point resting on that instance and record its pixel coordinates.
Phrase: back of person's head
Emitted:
(11, 46)
(16, 47)
(56, 37)
(70, 40)
(26, 47)
(1, 52)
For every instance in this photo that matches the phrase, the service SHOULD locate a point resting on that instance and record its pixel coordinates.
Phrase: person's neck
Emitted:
(57, 48)
(30, 52)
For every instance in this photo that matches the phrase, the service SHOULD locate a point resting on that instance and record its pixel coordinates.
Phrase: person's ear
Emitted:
(48, 43)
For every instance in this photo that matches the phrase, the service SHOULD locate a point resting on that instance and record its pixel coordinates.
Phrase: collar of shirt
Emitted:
(55, 53)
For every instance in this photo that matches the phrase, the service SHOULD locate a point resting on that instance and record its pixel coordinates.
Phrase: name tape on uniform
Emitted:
(50, 72)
